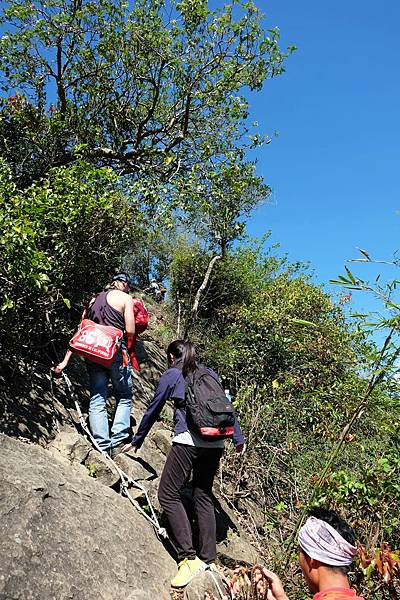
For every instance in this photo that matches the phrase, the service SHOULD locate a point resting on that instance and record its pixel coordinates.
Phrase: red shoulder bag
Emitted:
(97, 343)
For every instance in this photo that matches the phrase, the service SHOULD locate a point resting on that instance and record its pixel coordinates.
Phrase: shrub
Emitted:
(60, 240)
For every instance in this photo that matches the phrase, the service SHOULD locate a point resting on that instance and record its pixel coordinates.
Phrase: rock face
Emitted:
(66, 536)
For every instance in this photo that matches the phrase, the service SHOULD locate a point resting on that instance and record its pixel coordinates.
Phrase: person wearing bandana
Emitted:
(327, 548)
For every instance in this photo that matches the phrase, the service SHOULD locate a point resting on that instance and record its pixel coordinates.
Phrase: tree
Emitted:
(235, 279)
(60, 239)
(222, 195)
(150, 89)
(151, 254)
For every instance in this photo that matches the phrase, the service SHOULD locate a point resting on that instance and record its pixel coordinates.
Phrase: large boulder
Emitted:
(66, 536)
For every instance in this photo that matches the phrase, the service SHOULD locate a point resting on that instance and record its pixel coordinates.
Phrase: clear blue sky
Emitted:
(335, 166)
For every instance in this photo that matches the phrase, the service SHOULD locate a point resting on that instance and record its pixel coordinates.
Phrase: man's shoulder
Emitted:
(337, 594)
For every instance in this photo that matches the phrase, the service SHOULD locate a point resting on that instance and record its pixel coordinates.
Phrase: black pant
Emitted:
(204, 463)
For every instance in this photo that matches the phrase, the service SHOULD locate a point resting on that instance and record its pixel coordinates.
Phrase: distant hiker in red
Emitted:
(197, 448)
(157, 290)
(327, 548)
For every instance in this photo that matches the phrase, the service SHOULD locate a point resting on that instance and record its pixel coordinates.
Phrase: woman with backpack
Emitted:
(191, 452)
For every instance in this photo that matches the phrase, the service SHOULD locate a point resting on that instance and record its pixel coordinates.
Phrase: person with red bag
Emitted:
(112, 307)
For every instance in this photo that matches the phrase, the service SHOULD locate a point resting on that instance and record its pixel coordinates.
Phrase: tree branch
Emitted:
(201, 289)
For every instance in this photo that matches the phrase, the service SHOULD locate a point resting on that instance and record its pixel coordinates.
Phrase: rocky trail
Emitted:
(66, 530)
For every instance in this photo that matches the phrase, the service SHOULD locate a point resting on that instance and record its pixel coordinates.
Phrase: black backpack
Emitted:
(208, 410)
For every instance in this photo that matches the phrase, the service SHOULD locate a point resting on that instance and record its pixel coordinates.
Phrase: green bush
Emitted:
(297, 370)
(60, 240)
(235, 280)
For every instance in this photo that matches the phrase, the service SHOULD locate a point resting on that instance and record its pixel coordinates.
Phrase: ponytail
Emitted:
(186, 351)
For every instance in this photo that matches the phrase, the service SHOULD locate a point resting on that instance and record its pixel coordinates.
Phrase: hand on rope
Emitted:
(256, 583)
(266, 585)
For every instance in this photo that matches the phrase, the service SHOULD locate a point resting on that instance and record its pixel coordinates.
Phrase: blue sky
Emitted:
(334, 167)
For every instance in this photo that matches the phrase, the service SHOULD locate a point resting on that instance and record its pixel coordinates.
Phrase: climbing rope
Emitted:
(126, 480)
(259, 583)
(249, 583)
(221, 592)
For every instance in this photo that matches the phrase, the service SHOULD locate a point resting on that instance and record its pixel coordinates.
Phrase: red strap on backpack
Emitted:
(97, 343)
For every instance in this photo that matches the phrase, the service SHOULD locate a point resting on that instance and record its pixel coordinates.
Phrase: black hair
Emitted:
(186, 351)
(343, 528)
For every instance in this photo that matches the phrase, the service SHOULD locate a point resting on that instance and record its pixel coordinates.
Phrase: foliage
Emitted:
(60, 241)
(222, 197)
(92, 469)
(153, 90)
(28, 139)
(150, 88)
(384, 289)
(234, 279)
(151, 254)
(371, 497)
(382, 567)
(292, 361)
(268, 341)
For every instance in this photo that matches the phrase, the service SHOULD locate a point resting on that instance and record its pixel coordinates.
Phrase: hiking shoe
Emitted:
(121, 448)
(187, 569)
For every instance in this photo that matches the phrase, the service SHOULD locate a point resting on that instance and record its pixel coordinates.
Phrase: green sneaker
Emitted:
(187, 569)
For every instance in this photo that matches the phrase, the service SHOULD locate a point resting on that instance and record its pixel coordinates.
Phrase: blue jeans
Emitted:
(121, 379)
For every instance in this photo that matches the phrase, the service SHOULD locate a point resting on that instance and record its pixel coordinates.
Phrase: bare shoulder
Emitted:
(119, 300)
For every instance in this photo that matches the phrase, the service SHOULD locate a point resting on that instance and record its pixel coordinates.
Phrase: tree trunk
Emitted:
(195, 308)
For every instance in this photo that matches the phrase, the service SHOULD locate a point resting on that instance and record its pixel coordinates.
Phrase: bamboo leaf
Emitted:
(303, 322)
(351, 276)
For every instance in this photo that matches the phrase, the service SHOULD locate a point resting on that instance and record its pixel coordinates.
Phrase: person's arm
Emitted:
(165, 387)
(61, 366)
(238, 438)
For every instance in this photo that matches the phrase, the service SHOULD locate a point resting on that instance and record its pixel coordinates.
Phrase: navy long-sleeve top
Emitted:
(172, 385)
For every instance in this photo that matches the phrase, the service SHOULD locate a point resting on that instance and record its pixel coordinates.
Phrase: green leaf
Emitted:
(303, 322)
(351, 276)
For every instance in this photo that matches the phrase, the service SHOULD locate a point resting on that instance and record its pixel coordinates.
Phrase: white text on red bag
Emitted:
(97, 343)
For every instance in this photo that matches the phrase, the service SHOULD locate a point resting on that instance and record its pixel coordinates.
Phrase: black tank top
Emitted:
(102, 313)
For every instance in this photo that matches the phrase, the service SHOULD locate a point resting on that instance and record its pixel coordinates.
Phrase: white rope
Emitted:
(221, 591)
(126, 480)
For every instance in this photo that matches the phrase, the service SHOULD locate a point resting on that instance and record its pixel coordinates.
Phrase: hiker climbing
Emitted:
(197, 448)
(157, 290)
(114, 309)
(327, 549)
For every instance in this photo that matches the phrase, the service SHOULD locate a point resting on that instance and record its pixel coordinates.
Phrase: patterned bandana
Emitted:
(322, 542)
